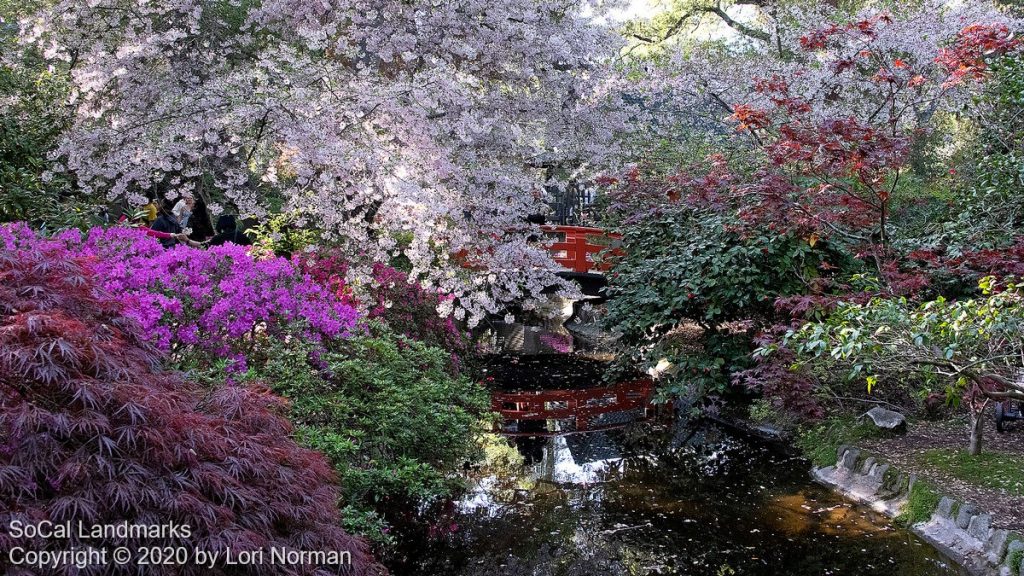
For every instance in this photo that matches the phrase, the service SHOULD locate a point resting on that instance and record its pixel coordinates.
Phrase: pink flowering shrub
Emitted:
(413, 310)
(407, 308)
(214, 300)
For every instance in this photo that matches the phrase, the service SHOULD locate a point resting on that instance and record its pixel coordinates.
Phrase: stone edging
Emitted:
(959, 530)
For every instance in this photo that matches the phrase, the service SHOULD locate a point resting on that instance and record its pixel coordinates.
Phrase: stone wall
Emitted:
(958, 529)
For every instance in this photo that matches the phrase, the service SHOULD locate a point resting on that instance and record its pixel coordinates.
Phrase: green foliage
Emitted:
(388, 415)
(994, 470)
(992, 165)
(821, 443)
(921, 502)
(284, 234)
(32, 117)
(964, 342)
(702, 270)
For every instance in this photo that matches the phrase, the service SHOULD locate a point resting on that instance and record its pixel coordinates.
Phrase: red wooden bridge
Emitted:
(587, 409)
(575, 246)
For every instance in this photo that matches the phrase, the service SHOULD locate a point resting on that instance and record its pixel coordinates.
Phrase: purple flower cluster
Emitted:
(217, 300)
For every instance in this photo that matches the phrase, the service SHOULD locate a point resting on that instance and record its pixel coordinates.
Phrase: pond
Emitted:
(644, 496)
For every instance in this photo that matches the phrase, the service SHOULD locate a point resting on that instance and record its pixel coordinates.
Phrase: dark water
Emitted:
(658, 497)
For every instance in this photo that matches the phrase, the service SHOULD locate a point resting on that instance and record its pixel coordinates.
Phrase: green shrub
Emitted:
(387, 413)
(701, 269)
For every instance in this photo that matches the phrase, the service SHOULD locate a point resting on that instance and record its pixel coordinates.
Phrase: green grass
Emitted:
(921, 502)
(820, 443)
(1004, 472)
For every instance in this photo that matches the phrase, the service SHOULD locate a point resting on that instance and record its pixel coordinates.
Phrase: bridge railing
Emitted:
(584, 406)
(574, 247)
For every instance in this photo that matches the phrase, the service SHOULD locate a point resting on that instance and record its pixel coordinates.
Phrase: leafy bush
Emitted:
(213, 301)
(705, 269)
(388, 414)
(32, 117)
(94, 431)
(973, 345)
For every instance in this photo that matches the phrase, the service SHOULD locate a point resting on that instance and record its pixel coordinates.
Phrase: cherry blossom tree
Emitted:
(366, 119)
(824, 60)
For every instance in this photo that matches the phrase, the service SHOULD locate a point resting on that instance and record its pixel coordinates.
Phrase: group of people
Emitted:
(168, 223)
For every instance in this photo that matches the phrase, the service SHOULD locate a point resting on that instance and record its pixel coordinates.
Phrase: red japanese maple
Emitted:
(94, 431)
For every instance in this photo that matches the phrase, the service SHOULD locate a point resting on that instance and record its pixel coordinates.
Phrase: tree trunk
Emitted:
(977, 427)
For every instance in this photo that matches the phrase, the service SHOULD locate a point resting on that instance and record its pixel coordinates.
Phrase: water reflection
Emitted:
(644, 496)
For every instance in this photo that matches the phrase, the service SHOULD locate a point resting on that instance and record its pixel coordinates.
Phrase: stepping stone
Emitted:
(979, 526)
(945, 507)
(963, 518)
(887, 419)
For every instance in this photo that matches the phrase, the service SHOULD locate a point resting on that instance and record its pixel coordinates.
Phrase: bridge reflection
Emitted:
(561, 412)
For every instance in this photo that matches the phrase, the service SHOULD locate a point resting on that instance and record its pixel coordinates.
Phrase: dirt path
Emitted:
(906, 453)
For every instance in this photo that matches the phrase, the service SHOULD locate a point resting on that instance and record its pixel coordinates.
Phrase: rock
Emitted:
(945, 507)
(963, 517)
(880, 471)
(997, 546)
(866, 468)
(887, 419)
(980, 526)
(850, 459)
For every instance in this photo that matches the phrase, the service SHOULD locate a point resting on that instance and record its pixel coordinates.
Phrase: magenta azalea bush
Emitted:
(216, 300)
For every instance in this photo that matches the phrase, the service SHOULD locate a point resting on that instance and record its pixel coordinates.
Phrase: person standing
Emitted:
(227, 231)
(167, 222)
(183, 210)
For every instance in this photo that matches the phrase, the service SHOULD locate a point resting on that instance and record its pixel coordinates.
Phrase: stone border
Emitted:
(961, 531)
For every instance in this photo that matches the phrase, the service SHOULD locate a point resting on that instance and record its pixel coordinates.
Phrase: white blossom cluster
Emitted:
(905, 43)
(368, 118)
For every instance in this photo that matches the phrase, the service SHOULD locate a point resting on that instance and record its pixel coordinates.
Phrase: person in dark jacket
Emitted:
(167, 222)
(227, 231)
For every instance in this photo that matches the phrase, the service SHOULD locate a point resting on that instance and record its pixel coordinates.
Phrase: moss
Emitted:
(921, 502)
(994, 470)
(1015, 561)
(820, 443)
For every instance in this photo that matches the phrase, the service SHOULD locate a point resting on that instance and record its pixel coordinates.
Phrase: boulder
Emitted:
(887, 419)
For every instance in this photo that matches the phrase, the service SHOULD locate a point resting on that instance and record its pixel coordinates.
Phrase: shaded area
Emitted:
(659, 498)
